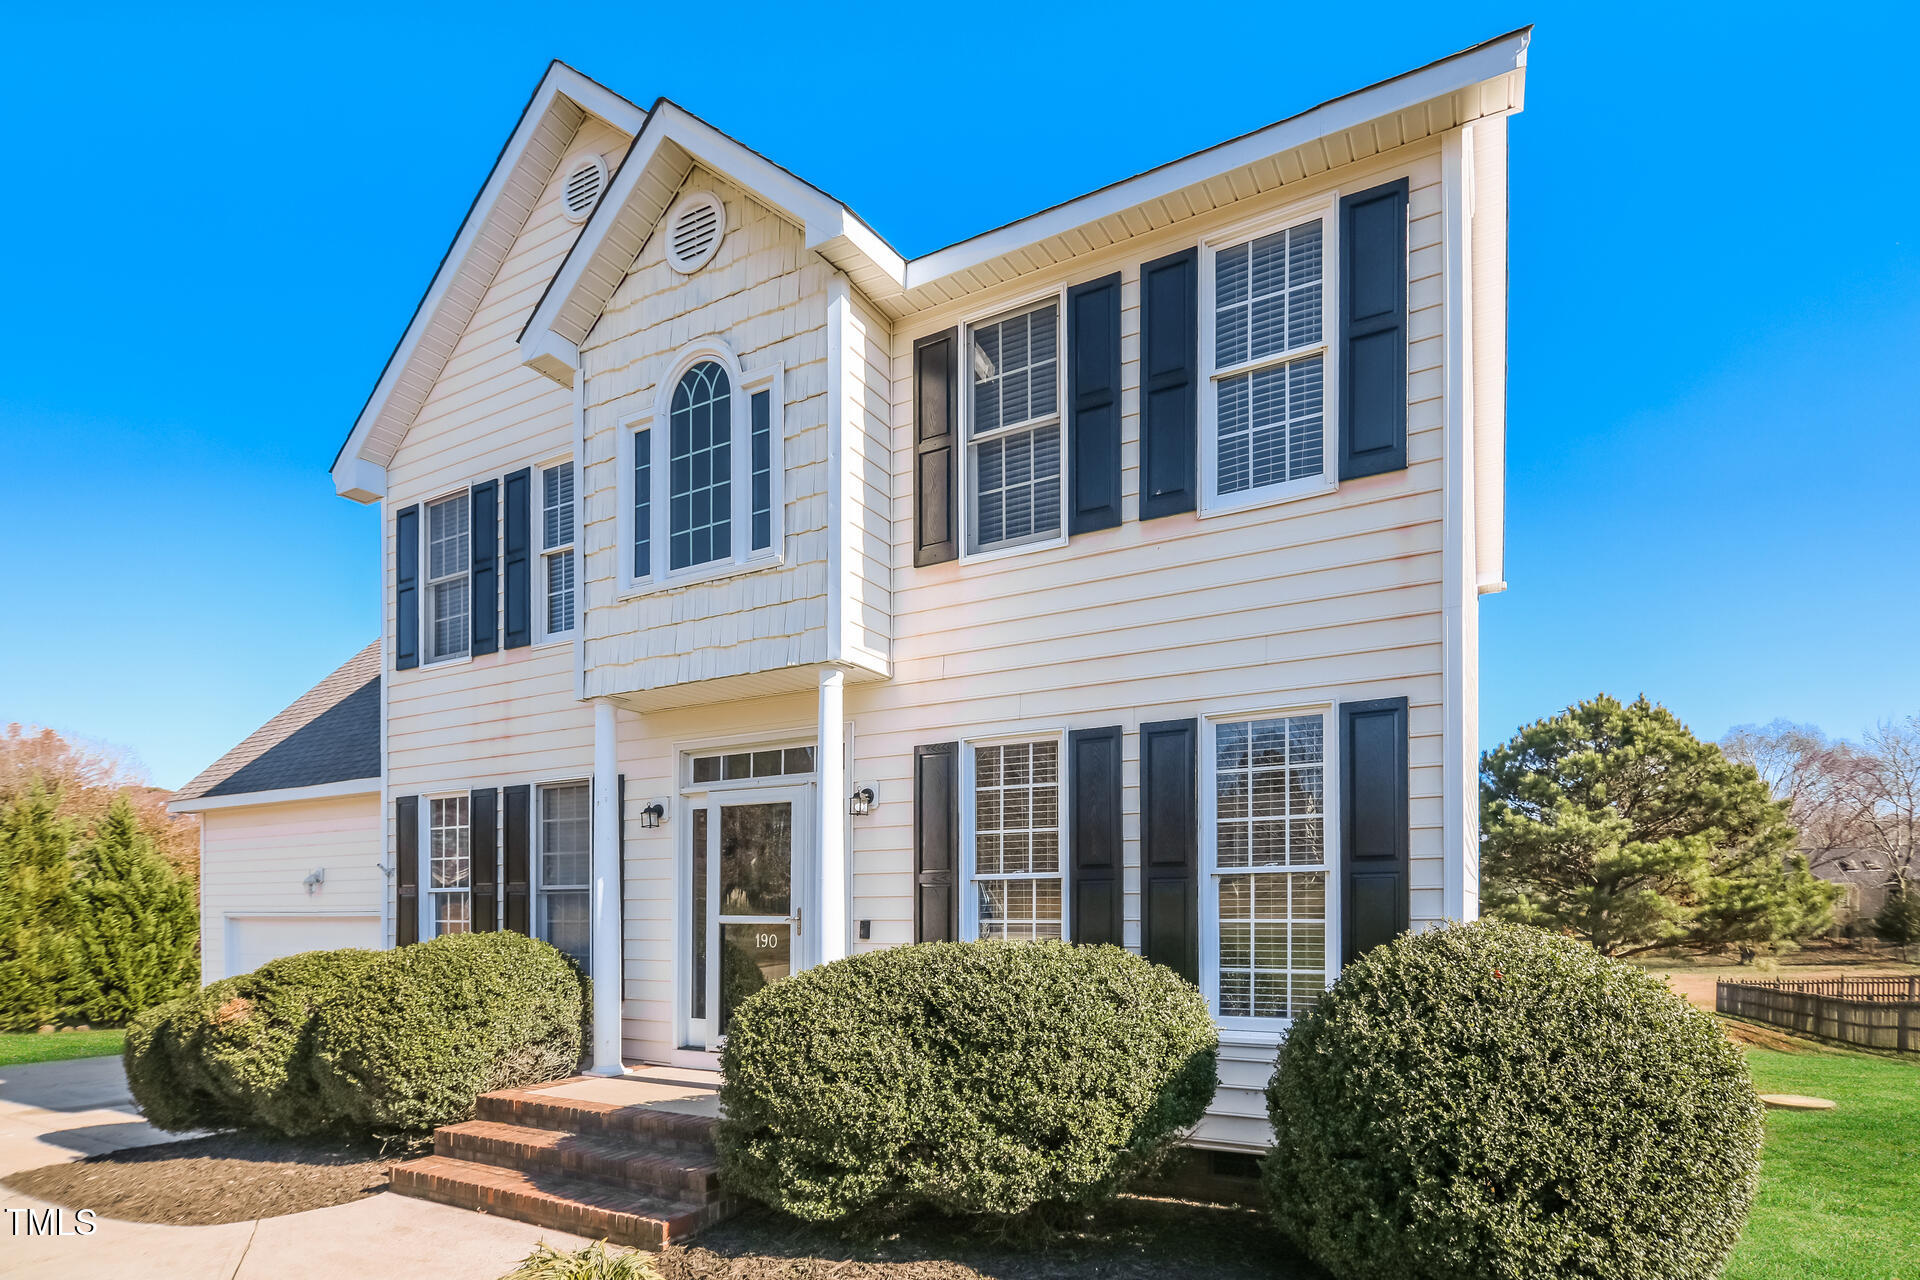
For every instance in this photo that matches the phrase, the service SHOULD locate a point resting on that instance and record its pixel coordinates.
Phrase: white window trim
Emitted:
(1058, 296)
(1262, 1030)
(1212, 503)
(542, 635)
(969, 900)
(427, 580)
(743, 384)
(537, 839)
(425, 871)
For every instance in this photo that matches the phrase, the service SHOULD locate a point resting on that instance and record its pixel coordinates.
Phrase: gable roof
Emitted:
(1485, 80)
(330, 735)
(560, 103)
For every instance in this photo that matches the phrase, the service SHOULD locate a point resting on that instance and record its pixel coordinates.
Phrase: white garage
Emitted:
(291, 836)
(254, 940)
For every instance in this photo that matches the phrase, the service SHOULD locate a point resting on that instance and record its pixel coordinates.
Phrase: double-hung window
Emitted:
(449, 590)
(565, 910)
(556, 548)
(701, 477)
(1014, 429)
(449, 865)
(1271, 953)
(1265, 311)
(1015, 886)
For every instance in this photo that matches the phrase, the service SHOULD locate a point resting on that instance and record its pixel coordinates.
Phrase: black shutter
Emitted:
(1373, 824)
(935, 445)
(481, 538)
(406, 880)
(1170, 845)
(1169, 383)
(936, 842)
(406, 587)
(517, 558)
(1093, 821)
(1093, 405)
(516, 804)
(1373, 331)
(483, 829)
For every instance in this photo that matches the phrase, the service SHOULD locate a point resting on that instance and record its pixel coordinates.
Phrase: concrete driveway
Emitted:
(55, 1111)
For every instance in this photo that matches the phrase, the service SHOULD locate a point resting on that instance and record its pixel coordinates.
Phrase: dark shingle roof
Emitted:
(332, 734)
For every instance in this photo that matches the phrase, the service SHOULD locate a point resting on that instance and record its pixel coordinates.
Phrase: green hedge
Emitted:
(1491, 1101)
(445, 1021)
(360, 1041)
(984, 1078)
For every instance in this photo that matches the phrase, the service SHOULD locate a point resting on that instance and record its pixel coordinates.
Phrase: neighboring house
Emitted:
(291, 837)
(1866, 877)
(756, 595)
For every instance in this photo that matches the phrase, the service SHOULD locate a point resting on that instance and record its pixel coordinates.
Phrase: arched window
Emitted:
(702, 485)
(700, 468)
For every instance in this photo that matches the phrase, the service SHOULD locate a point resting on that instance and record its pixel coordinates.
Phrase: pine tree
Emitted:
(1614, 823)
(40, 974)
(1898, 922)
(136, 921)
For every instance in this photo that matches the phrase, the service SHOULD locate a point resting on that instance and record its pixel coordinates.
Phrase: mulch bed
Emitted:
(1135, 1239)
(229, 1177)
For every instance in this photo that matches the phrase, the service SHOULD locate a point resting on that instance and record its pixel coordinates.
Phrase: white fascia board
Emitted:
(821, 216)
(560, 81)
(360, 479)
(284, 795)
(1463, 70)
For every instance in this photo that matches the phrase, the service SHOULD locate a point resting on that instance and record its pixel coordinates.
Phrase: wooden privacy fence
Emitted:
(1875, 1013)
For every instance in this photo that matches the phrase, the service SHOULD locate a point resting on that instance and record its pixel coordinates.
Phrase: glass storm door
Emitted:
(746, 917)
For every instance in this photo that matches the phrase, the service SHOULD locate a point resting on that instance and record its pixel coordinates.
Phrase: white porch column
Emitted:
(605, 968)
(829, 923)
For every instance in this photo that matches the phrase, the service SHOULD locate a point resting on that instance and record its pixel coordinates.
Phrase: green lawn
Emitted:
(55, 1046)
(1839, 1190)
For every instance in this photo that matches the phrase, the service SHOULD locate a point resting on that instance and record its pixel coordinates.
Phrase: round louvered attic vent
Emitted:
(586, 179)
(694, 230)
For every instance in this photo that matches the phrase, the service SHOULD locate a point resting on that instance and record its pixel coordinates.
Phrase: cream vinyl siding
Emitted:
(509, 716)
(255, 858)
(866, 477)
(764, 294)
(1328, 598)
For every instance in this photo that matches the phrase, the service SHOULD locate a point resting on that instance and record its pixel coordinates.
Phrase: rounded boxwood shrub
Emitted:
(360, 1041)
(978, 1078)
(254, 1038)
(426, 1029)
(1488, 1100)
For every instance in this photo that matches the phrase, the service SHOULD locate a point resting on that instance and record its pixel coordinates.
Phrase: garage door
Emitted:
(254, 940)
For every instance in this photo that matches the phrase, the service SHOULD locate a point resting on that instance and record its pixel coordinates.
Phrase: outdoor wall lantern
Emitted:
(653, 815)
(860, 803)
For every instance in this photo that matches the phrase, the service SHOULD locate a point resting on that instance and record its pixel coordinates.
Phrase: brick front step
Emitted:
(539, 1109)
(691, 1177)
(590, 1209)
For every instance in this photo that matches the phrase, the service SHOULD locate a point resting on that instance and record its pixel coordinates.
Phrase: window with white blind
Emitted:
(449, 585)
(449, 865)
(1266, 309)
(700, 480)
(564, 911)
(556, 549)
(1013, 841)
(1014, 429)
(1269, 946)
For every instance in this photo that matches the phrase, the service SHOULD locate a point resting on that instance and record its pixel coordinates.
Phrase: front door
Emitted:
(746, 919)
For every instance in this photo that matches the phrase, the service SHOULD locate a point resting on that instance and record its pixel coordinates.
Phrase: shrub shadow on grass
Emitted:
(1134, 1238)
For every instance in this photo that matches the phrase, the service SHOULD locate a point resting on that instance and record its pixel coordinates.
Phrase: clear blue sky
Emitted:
(218, 223)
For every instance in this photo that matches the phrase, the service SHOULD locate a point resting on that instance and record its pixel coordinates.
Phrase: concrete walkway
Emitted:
(55, 1111)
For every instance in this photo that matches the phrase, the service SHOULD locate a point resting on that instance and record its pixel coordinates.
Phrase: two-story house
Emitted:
(755, 594)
